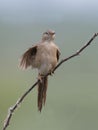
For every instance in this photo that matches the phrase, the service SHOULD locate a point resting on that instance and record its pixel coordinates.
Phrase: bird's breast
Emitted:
(46, 58)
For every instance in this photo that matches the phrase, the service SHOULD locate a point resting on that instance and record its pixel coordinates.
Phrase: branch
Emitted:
(19, 101)
(77, 52)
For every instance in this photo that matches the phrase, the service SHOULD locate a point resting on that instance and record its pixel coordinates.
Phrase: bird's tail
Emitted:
(42, 88)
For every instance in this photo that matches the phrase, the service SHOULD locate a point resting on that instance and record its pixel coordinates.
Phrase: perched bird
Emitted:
(43, 56)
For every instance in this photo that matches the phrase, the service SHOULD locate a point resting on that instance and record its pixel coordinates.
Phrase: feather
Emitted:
(42, 88)
(28, 57)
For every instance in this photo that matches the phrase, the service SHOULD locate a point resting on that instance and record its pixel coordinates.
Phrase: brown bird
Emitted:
(44, 56)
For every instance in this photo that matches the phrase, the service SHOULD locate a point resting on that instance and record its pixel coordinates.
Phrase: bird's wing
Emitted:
(28, 57)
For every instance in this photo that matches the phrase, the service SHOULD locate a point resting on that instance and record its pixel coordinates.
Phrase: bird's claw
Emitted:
(51, 73)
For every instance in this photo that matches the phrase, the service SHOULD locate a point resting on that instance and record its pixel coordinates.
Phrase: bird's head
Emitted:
(48, 35)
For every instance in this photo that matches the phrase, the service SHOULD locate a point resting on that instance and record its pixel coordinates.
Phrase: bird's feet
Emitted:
(51, 73)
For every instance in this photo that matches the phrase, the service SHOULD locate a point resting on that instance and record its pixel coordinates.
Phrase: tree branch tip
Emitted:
(96, 34)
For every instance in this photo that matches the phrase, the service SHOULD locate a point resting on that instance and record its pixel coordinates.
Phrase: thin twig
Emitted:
(12, 109)
(19, 101)
(77, 52)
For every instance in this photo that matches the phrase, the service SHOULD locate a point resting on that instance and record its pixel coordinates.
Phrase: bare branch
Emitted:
(19, 101)
(77, 52)
(12, 109)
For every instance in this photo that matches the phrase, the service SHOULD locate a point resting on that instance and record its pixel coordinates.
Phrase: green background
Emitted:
(72, 96)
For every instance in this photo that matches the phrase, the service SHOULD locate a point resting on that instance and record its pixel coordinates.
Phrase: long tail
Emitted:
(42, 88)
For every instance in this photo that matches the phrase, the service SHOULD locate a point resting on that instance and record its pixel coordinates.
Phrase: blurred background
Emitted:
(72, 96)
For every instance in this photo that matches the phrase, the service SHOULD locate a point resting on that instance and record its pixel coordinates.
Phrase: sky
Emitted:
(34, 10)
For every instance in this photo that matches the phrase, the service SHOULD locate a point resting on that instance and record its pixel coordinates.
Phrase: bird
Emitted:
(44, 57)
